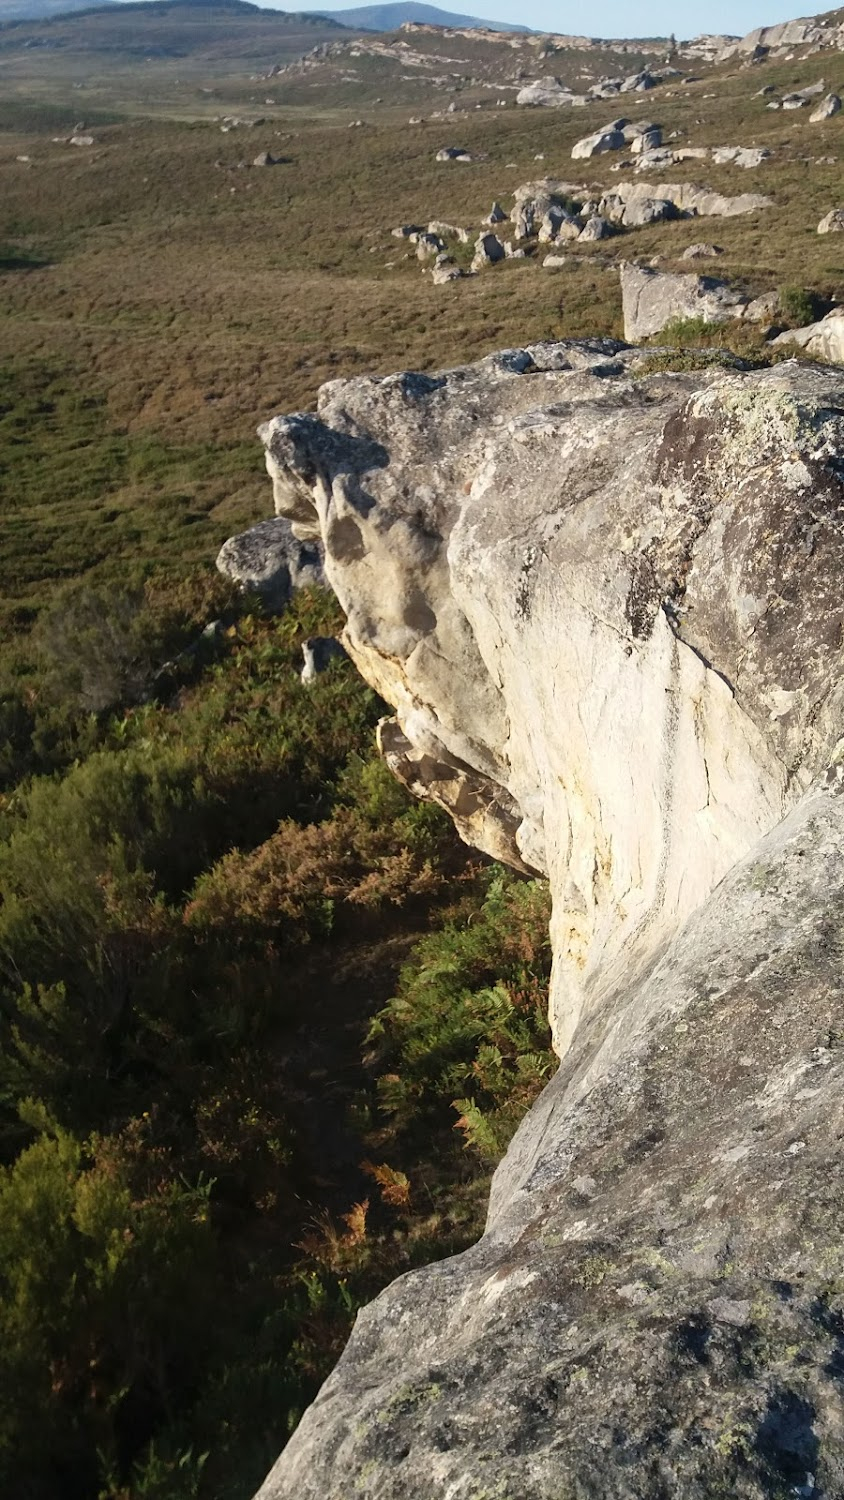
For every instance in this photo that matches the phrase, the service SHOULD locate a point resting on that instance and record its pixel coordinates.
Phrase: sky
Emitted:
(607, 18)
(615, 18)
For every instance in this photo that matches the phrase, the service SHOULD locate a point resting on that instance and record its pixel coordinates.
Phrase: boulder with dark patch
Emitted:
(271, 561)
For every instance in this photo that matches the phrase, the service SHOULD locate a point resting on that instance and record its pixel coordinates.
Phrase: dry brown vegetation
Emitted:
(192, 296)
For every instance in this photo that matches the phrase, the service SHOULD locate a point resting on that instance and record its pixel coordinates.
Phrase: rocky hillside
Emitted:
(606, 605)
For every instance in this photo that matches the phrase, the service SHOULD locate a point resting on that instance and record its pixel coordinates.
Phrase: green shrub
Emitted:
(108, 1293)
(469, 1025)
(798, 306)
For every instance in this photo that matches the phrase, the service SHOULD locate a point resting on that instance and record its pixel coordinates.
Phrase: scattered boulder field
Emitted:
(552, 212)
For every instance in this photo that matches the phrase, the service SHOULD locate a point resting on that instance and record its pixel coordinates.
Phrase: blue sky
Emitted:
(608, 18)
(615, 18)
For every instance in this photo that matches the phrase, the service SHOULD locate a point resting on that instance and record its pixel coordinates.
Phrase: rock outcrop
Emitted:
(688, 198)
(652, 299)
(547, 92)
(608, 610)
(601, 141)
(821, 340)
(826, 109)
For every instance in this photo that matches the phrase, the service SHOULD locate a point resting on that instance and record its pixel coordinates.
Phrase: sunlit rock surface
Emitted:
(607, 608)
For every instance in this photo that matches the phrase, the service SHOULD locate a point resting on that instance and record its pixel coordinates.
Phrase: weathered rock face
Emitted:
(651, 299)
(541, 540)
(549, 92)
(601, 141)
(822, 340)
(656, 1308)
(609, 613)
(826, 109)
(688, 198)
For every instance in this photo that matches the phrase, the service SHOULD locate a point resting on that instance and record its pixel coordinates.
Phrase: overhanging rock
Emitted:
(609, 612)
(606, 609)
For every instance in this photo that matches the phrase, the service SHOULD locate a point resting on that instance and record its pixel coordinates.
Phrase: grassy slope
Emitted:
(185, 299)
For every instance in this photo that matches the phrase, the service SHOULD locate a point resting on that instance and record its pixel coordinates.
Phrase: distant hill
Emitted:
(39, 10)
(391, 17)
(220, 35)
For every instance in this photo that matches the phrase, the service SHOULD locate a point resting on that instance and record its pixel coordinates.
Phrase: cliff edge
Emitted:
(607, 607)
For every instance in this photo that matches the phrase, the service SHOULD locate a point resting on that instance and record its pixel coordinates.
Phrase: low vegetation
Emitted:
(221, 1134)
(264, 1024)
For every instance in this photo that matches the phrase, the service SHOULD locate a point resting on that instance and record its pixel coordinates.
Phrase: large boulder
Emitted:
(488, 251)
(692, 200)
(558, 224)
(608, 139)
(651, 299)
(826, 109)
(822, 340)
(428, 244)
(608, 609)
(701, 250)
(647, 139)
(833, 222)
(740, 156)
(595, 228)
(549, 92)
(536, 202)
(271, 561)
(648, 211)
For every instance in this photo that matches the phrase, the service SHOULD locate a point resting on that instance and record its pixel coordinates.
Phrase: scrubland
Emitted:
(264, 1025)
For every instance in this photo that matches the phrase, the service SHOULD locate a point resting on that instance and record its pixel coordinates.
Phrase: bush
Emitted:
(109, 1297)
(798, 306)
(469, 1025)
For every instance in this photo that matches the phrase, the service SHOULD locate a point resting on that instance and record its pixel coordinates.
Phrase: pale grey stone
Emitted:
(444, 271)
(558, 223)
(822, 340)
(428, 245)
(645, 140)
(547, 92)
(762, 309)
(740, 156)
(651, 299)
(648, 211)
(701, 250)
(488, 250)
(269, 560)
(826, 109)
(319, 651)
(599, 143)
(445, 230)
(608, 608)
(595, 228)
(689, 200)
